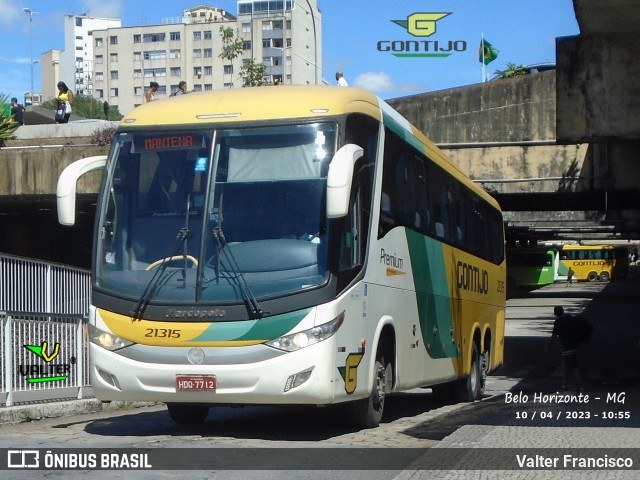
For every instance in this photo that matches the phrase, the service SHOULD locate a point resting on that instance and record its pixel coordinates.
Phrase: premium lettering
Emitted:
(391, 260)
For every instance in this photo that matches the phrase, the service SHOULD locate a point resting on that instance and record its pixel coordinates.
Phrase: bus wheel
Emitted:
(367, 413)
(187, 413)
(485, 360)
(472, 387)
(604, 276)
(592, 276)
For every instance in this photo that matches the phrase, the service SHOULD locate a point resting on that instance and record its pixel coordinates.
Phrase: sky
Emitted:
(355, 35)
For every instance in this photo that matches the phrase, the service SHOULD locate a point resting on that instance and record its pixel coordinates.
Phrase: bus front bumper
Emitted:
(306, 376)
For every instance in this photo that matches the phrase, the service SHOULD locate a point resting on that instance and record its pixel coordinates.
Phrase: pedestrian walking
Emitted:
(17, 111)
(570, 275)
(64, 101)
(182, 88)
(565, 330)
(342, 82)
(150, 96)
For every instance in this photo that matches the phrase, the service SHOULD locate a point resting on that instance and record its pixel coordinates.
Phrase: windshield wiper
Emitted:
(249, 299)
(185, 233)
(159, 279)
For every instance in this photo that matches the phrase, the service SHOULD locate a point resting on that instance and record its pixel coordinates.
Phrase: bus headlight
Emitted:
(298, 340)
(107, 340)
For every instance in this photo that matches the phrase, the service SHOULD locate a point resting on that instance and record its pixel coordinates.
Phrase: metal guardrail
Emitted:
(28, 285)
(43, 335)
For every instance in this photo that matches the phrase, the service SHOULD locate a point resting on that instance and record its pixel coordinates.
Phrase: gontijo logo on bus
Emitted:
(49, 372)
(421, 24)
(472, 278)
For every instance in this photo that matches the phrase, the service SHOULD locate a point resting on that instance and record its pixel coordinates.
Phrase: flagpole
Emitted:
(482, 61)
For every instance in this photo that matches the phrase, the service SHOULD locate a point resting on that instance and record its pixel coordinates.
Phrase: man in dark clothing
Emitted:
(564, 329)
(17, 111)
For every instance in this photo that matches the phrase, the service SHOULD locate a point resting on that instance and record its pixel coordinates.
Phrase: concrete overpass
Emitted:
(558, 149)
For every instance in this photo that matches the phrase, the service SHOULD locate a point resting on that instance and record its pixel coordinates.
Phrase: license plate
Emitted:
(196, 382)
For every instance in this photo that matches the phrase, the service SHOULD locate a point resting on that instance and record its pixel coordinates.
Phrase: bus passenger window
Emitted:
(386, 215)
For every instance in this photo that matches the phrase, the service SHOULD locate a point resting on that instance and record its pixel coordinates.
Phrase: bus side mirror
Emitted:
(339, 180)
(66, 189)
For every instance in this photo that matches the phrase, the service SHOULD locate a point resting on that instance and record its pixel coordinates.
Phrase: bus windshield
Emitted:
(213, 216)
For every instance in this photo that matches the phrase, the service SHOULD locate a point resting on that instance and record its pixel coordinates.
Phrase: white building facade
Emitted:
(116, 64)
(284, 35)
(76, 61)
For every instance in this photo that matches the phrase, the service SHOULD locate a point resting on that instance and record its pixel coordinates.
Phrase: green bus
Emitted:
(532, 266)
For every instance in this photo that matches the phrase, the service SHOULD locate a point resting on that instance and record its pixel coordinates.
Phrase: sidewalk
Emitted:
(61, 408)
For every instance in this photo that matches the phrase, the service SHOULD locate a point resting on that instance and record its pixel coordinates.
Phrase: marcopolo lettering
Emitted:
(472, 278)
(192, 313)
(420, 46)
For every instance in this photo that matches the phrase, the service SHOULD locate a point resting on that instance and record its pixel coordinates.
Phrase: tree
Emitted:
(232, 44)
(253, 74)
(512, 70)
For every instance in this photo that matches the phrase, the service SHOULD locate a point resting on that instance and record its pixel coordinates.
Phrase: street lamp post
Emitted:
(31, 62)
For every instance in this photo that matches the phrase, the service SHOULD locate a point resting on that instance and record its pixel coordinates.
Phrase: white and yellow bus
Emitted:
(287, 245)
(593, 262)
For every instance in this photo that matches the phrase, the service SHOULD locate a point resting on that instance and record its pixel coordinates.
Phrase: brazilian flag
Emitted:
(487, 53)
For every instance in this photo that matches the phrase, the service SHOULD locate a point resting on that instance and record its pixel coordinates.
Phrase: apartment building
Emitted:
(286, 36)
(116, 64)
(50, 74)
(76, 61)
(185, 48)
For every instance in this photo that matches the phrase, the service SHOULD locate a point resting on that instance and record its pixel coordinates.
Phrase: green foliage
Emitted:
(253, 74)
(87, 107)
(103, 136)
(8, 125)
(231, 43)
(512, 70)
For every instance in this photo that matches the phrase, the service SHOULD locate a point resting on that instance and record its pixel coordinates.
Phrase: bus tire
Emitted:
(485, 363)
(367, 412)
(472, 387)
(604, 276)
(592, 276)
(187, 413)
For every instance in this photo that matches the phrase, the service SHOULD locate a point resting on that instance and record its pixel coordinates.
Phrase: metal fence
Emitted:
(34, 286)
(43, 344)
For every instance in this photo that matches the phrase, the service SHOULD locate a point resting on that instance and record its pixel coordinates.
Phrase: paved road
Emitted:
(415, 420)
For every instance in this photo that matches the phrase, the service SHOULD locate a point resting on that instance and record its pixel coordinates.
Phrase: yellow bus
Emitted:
(287, 245)
(593, 262)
